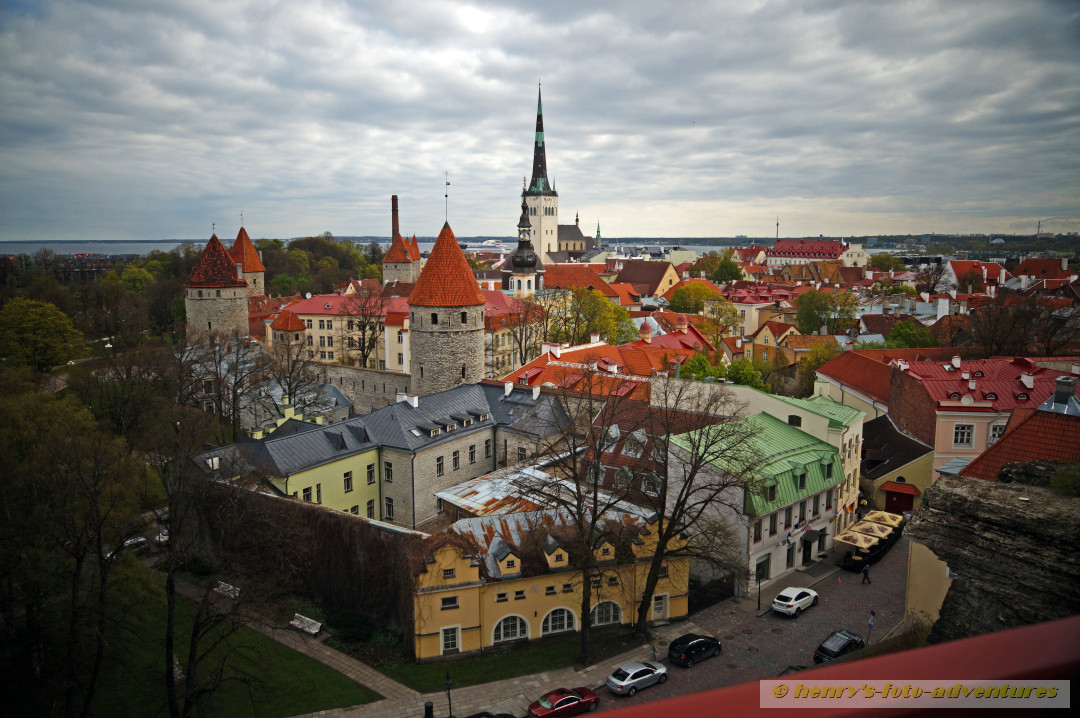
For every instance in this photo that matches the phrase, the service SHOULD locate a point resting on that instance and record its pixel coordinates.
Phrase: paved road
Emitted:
(760, 646)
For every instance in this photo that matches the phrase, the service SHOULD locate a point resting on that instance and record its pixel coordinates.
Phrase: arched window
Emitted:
(511, 628)
(560, 619)
(605, 613)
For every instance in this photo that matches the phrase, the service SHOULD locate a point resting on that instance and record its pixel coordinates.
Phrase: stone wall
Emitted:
(439, 351)
(1013, 551)
(226, 313)
(911, 407)
(367, 389)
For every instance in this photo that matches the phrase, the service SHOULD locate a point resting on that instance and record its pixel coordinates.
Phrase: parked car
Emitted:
(793, 601)
(792, 669)
(631, 677)
(486, 714)
(690, 648)
(163, 536)
(564, 702)
(838, 644)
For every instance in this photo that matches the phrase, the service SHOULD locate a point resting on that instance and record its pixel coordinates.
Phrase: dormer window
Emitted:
(434, 432)
(991, 396)
(954, 395)
(1022, 397)
(978, 374)
(485, 416)
(451, 427)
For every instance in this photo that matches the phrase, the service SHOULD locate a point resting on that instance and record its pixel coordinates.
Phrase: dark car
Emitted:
(688, 649)
(838, 644)
(564, 702)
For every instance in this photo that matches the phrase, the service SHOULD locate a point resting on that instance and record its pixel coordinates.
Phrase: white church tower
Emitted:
(541, 198)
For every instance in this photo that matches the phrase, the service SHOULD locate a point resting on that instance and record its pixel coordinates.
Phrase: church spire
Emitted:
(540, 184)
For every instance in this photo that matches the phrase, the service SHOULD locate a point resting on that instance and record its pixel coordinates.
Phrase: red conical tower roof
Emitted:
(414, 250)
(398, 252)
(446, 279)
(244, 253)
(214, 268)
(287, 321)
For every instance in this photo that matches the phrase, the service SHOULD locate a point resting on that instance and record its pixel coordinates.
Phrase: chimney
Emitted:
(412, 399)
(645, 333)
(1064, 264)
(886, 309)
(393, 217)
(971, 384)
(965, 375)
(956, 362)
(1028, 380)
(682, 324)
(1065, 389)
(536, 393)
(594, 338)
(1001, 277)
(942, 307)
(508, 386)
(552, 348)
(738, 343)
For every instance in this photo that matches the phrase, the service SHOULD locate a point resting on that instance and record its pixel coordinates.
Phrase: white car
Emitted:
(794, 601)
(631, 677)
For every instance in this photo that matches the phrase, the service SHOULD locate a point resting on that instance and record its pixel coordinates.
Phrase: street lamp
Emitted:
(449, 706)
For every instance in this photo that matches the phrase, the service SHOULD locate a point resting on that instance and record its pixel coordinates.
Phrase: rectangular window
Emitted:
(371, 508)
(787, 517)
(387, 472)
(770, 493)
(817, 505)
(500, 597)
(450, 640)
(772, 525)
(310, 340)
(522, 454)
(472, 451)
(549, 591)
(487, 448)
(322, 324)
(439, 506)
(388, 514)
(519, 595)
(348, 481)
(802, 511)
(568, 588)
(802, 482)
(355, 510)
(307, 494)
(791, 556)
(828, 499)
(613, 580)
(449, 573)
(757, 531)
(400, 336)
(439, 471)
(400, 358)
(329, 323)
(322, 341)
(329, 355)
(457, 460)
(511, 563)
(371, 473)
(962, 435)
(996, 432)
(318, 493)
(663, 571)
(322, 354)
(308, 322)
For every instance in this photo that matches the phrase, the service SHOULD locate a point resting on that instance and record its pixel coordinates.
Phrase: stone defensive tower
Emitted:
(216, 293)
(243, 252)
(446, 321)
(402, 262)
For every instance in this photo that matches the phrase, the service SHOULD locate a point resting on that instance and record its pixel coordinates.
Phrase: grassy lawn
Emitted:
(266, 680)
(540, 656)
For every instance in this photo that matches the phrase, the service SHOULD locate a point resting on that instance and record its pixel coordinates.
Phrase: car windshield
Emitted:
(834, 643)
(619, 674)
(545, 703)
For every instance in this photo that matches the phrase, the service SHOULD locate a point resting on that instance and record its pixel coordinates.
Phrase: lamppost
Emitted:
(759, 591)
(449, 706)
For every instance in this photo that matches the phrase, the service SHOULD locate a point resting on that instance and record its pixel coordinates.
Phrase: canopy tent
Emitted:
(871, 529)
(856, 539)
(885, 518)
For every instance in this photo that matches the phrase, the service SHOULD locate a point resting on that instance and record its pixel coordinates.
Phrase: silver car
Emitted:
(631, 677)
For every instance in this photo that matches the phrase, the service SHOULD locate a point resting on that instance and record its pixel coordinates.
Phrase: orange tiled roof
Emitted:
(446, 279)
(576, 276)
(214, 268)
(287, 321)
(243, 252)
(399, 252)
(414, 249)
(1044, 435)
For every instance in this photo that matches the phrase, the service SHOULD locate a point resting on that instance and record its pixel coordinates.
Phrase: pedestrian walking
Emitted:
(866, 573)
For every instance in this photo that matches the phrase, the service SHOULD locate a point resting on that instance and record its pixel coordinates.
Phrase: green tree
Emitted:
(38, 334)
(886, 263)
(589, 312)
(728, 270)
(910, 333)
(811, 361)
(135, 278)
(812, 311)
(706, 265)
(690, 298)
(744, 372)
(844, 311)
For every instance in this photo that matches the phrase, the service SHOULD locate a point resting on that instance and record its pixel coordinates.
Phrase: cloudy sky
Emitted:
(146, 119)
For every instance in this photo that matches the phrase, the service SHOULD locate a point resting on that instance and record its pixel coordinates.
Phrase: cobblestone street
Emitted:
(760, 644)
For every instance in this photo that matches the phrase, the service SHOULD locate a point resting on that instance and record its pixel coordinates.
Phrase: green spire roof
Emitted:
(540, 184)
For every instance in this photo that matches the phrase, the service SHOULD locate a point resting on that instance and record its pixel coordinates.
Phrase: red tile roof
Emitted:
(399, 252)
(628, 297)
(1044, 435)
(446, 279)
(998, 386)
(644, 273)
(214, 268)
(323, 305)
(414, 249)
(287, 321)
(861, 373)
(244, 252)
(1042, 269)
(776, 328)
(576, 276)
(807, 248)
(897, 488)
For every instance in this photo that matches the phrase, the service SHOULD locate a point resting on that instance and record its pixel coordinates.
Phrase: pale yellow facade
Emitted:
(458, 611)
(349, 484)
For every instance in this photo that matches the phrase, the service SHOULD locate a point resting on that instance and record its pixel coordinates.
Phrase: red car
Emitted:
(564, 702)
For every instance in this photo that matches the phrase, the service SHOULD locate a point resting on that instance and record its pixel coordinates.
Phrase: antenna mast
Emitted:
(777, 228)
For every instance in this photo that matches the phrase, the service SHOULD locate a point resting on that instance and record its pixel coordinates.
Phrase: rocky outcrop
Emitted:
(1013, 550)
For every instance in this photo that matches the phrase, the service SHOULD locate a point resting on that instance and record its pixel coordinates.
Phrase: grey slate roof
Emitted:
(886, 448)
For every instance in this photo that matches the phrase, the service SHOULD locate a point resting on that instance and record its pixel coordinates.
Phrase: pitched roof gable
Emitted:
(243, 252)
(398, 253)
(214, 268)
(287, 321)
(576, 276)
(446, 279)
(1044, 435)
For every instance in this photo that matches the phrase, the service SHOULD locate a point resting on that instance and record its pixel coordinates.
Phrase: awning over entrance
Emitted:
(898, 488)
(811, 535)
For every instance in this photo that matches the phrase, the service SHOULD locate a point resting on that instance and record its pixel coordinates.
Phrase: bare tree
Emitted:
(288, 367)
(526, 322)
(230, 368)
(361, 325)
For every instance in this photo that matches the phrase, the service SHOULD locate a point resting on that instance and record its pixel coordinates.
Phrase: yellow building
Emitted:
(522, 585)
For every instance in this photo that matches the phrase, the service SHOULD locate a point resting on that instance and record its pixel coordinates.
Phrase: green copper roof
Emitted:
(785, 453)
(839, 416)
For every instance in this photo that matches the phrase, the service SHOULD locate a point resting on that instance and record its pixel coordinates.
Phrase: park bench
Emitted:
(226, 590)
(305, 624)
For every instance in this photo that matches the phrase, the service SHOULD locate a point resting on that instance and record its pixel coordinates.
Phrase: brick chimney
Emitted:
(393, 217)
(1064, 389)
